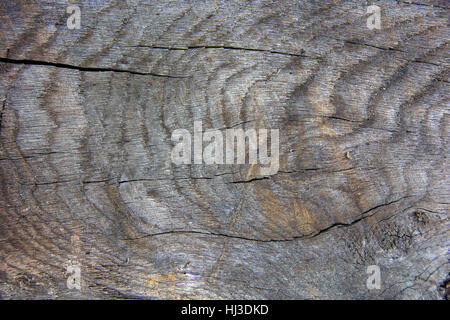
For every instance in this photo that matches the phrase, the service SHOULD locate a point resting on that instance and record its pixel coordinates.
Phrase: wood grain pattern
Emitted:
(85, 171)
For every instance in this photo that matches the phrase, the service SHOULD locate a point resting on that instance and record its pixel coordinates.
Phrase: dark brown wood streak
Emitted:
(85, 140)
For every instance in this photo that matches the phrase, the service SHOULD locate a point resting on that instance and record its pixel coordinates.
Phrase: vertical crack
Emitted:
(1, 113)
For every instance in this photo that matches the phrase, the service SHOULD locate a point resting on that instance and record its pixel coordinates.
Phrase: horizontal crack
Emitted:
(339, 118)
(84, 69)
(325, 170)
(371, 45)
(387, 49)
(250, 180)
(229, 48)
(204, 233)
(165, 179)
(362, 216)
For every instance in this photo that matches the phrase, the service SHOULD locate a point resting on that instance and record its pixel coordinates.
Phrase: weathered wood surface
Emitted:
(85, 170)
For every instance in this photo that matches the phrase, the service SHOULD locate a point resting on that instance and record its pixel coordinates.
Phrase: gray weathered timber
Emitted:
(85, 140)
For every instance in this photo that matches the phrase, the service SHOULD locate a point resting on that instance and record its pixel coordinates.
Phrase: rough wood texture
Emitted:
(85, 171)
